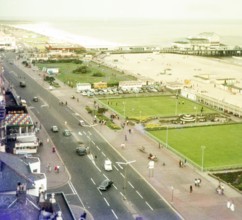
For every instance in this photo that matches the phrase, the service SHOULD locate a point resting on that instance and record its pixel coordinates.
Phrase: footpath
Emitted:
(170, 181)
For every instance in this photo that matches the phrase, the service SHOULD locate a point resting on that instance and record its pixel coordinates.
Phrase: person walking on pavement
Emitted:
(190, 188)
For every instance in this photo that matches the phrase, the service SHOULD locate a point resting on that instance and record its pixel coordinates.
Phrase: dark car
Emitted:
(35, 99)
(81, 151)
(66, 133)
(105, 185)
(22, 84)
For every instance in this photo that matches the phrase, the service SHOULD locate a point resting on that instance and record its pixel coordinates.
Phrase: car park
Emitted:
(108, 165)
(66, 133)
(105, 185)
(81, 151)
(54, 128)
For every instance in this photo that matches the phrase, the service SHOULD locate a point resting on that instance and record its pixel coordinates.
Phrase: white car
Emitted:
(108, 165)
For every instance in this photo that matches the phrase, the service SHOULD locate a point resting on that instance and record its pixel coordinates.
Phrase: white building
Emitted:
(7, 42)
(83, 87)
(131, 85)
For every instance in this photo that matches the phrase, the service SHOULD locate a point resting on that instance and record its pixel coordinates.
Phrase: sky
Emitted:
(109, 9)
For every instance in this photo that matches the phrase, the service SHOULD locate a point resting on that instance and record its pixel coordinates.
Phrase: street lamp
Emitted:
(172, 193)
(124, 109)
(203, 148)
(166, 136)
(195, 108)
(125, 174)
(176, 103)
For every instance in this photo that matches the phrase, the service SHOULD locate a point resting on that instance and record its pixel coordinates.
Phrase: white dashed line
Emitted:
(106, 201)
(139, 194)
(93, 181)
(149, 206)
(131, 184)
(114, 214)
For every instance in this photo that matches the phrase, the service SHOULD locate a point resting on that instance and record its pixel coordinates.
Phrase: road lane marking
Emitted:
(80, 133)
(70, 194)
(93, 181)
(122, 175)
(45, 105)
(72, 187)
(98, 147)
(105, 176)
(106, 201)
(114, 214)
(103, 154)
(115, 186)
(149, 205)
(89, 133)
(131, 184)
(120, 166)
(122, 195)
(115, 167)
(139, 194)
(93, 142)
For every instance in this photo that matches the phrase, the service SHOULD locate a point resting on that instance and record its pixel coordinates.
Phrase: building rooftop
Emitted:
(13, 170)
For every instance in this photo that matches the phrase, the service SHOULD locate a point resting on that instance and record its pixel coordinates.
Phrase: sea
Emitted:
(133, 32)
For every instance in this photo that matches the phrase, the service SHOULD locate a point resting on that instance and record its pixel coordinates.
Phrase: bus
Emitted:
(26, 148)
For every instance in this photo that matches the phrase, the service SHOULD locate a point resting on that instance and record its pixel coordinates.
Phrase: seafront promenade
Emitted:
(171, 181)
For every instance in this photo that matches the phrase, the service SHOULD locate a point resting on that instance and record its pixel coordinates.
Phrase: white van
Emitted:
(23, 102)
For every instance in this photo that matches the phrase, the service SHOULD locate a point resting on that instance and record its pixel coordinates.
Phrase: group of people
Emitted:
(220, 189)
(197, 182)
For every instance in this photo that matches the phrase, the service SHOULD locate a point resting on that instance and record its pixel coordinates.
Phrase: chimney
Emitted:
(21, 193)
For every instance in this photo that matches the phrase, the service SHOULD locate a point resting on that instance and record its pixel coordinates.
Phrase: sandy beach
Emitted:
(173, 67)
(167, 68)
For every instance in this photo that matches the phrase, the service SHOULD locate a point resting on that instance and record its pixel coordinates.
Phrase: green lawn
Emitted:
(154, 106)
(223, 144)
(109, 75)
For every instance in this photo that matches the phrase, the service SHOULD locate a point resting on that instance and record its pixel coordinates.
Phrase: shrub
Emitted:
(98, 74)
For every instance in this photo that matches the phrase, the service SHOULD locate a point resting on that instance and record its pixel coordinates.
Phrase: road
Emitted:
(120, 202)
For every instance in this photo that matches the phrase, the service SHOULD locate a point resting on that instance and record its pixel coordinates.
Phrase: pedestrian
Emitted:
(58, 169)
(190, 188)
(130, 131)
(196, 182)
(126, 138)
(49, 168)
(53, 149)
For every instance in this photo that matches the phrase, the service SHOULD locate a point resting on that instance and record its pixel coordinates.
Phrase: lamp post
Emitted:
(176, 103)
(166, 136)
(172, 193)
(125, 174)
(203, 148)
(195, 108)
(124, 110)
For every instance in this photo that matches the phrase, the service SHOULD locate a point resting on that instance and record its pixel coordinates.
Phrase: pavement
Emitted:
(167, 178)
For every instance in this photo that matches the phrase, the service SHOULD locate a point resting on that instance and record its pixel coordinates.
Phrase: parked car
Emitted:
(81, 151)
(105, 185)
(108, 165)
(66, 133)
(22, 84)
(54, 128)
(81, 123)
